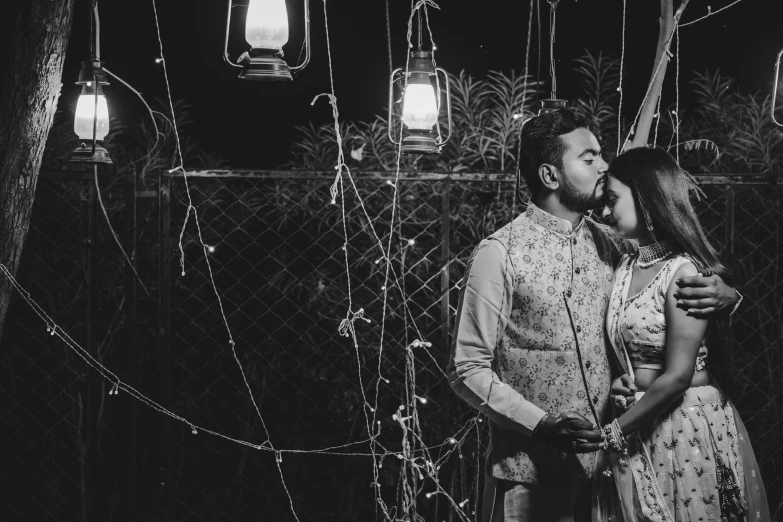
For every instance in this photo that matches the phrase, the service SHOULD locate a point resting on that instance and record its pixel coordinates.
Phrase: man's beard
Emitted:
(576, 201)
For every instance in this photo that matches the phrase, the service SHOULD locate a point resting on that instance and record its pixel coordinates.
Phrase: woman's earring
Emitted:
(648, 222)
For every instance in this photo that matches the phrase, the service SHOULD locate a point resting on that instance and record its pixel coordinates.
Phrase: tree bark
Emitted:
(667, 24)
(28, 101)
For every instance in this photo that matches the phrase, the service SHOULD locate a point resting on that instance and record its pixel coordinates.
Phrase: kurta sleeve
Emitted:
(482, 315)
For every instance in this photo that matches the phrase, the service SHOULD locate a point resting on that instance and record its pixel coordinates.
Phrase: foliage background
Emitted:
(280, 270)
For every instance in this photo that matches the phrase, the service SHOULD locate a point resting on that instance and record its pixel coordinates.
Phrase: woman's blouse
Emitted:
(641, 318)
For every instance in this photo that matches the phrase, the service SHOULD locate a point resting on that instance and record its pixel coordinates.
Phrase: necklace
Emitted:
(658, 251)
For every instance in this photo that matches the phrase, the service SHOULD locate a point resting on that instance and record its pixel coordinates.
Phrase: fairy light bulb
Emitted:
(267, 24)
(419, 106)
(85, 114)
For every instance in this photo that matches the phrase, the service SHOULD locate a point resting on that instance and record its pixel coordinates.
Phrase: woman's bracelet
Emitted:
(614, 439)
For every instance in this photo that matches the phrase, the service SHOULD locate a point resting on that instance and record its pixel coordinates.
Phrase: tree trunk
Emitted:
(667, 24)
(28, 101)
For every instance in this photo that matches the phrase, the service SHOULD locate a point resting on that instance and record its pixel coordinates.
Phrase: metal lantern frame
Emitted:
(416, 141)
(92, 72)
(775, 90)
(552, 105)
(261, 64)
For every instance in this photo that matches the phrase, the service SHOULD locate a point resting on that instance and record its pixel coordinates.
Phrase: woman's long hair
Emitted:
(661, 187)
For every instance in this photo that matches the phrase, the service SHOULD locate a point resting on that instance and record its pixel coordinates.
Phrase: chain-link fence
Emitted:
(277, 249)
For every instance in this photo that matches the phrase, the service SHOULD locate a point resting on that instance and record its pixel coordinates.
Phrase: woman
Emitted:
(678, 452)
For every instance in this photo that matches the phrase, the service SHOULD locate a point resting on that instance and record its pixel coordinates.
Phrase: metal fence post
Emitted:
(90, 394)
(164, 338)
(730, 227)
(730, 248)
(445, 248)
(130, 331)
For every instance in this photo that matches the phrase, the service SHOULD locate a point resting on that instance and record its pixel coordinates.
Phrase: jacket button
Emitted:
(578, 329)
(595, 399)
(587, 365)
(574, 240)
(568, 293)
(576, 270)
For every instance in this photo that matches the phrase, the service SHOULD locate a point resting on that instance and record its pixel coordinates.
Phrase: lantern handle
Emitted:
(307, 39)
(448, 103)
(95, 113)
(775, 90)
(226, 58)
(390, 127)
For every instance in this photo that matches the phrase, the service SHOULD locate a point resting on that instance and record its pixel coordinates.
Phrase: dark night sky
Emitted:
(251, 124)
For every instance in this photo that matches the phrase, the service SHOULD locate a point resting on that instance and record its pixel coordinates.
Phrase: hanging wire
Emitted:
(620, 88)
(538, 44)
(552, 20)
(418, 13)
(388, 37)
(677, 93)
(518, 180)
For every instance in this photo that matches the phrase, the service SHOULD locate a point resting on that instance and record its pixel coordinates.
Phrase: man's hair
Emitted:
(541, 143)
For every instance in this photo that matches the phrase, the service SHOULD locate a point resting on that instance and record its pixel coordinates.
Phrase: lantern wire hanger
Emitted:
(421, 99)
(266, 31)
(554, 103)
(91, 122)
(775, 90)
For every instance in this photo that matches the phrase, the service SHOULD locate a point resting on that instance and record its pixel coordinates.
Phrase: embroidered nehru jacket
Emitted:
(532, 292)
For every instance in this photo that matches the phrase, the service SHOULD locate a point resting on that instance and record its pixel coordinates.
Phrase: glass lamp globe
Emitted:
(267, 24)
(419, 106)
(85, 114)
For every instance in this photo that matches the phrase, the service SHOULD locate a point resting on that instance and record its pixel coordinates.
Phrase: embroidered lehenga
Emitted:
(671, 472)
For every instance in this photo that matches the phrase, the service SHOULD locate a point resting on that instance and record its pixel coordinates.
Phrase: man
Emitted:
(529, 346)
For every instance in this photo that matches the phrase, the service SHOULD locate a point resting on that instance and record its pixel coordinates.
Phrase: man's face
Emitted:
(583, 175)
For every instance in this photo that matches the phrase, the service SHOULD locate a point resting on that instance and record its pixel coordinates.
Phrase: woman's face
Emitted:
(620, 210)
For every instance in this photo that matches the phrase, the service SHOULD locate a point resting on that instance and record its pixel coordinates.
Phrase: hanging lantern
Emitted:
(266, 30)
(91, 123)
(775, 89)
(552, 105)
(420, 105)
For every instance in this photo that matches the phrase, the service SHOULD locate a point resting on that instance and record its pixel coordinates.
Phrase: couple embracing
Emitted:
(597, 352)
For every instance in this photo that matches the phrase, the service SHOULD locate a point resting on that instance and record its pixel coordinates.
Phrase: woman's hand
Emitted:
(623, 394)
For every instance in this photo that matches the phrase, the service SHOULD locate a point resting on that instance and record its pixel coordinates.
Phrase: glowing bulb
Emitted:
(419, 107)
(210, 249)
(267, 24)
(85, 113)
(411, 242)
(422, 400)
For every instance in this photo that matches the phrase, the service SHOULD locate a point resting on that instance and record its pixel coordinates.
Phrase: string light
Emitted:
(412, 452)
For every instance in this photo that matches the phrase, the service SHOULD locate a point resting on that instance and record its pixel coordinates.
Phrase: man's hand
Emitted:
(570, 432)
(705, 296)
(623, 393)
